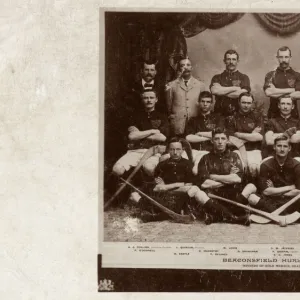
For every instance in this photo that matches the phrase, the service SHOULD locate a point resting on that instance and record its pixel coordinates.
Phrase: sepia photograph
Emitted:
(201, 141)
(202, 127)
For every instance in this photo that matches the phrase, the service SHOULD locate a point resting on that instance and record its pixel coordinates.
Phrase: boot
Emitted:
(217, 212)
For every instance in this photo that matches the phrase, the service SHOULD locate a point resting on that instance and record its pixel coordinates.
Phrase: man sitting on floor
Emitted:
(247, 126)
(279, 179)
(149, 128)
(173, 183)
(220, 173)
(199, 128)
(285, 123)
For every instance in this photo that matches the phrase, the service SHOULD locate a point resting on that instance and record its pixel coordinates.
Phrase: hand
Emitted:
(272, 86)
(234, 170)
(257, 129)
(270, 183)
(159, 180)
(155, 131)
(291, 131)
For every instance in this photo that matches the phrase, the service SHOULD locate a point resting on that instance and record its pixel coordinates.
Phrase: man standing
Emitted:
(220, 172)
(279, 179)
(199, 129)
(149, 128)
(248, 127)
(284, 81)
(228, 85)
(147, 81)
(284, 123)
(182, 96)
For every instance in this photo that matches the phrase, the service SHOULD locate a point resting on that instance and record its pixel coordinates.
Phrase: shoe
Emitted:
(208, 219)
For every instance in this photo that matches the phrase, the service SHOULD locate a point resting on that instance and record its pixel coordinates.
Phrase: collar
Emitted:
(151, 82)
(149, 112)
(289, 69)
(241, 113)
(188, 81)
(285, 119)
(206, 115)
(285, 162)
(225, 153)
(230, 73)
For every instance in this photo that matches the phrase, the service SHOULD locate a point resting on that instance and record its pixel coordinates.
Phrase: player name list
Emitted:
(201, 256)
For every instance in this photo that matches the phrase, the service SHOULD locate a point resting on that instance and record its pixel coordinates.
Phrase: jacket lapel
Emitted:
(182, 85)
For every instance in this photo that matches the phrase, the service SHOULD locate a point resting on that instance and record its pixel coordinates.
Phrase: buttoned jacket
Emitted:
(182, 102)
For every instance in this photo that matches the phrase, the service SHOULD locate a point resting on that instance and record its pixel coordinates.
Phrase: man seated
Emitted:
(220, 173)
(247, 126)
(148, 128)
(285, 123)
(279, 179)
(199, 128)
(173, 183)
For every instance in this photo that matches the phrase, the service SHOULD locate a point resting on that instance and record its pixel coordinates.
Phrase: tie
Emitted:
(186, 82)
(148, 85)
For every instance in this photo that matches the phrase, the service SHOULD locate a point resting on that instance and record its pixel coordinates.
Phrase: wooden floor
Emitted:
(120, 226)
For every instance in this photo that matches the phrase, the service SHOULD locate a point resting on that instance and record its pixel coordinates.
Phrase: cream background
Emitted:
(49, 64)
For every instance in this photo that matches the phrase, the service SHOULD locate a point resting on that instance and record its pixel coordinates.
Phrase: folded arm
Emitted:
(249, 137)
(159, 137)
(274, 92)
(226, 179)
(219, 90)
(292, 193)
(236, 94)
(168, 187)
(211, 184)
(135, 134)
(194, 138)
(274, 191)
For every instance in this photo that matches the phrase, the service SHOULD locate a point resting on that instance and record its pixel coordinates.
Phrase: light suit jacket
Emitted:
(182, 102)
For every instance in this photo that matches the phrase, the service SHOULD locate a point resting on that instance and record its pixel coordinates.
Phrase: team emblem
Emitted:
(155, 123)
(291, 82)
(251, 125)
(236, 82)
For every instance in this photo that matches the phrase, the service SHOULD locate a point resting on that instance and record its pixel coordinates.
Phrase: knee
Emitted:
(118, 169)
(193, 191)
(149, 168)
(201, 197)
(249, 189)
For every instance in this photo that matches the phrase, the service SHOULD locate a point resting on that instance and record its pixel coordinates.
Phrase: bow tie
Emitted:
(148, 85)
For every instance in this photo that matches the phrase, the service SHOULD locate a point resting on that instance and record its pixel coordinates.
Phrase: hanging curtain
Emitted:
(218, 20)
(281, 24)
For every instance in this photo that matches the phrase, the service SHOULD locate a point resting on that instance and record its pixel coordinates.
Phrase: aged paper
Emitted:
(50, 138)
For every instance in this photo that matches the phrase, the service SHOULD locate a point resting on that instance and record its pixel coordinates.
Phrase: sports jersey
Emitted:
(282, 79)
(172, 170)
(203, 123)
(245, 122)
(224, 105)
(145, 121)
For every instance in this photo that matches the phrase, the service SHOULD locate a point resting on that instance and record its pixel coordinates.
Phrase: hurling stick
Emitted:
(278, 211)
(281, 220)
(150, 152)
(176, 217)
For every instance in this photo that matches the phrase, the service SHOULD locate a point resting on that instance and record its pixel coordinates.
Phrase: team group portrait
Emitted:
(202, 127)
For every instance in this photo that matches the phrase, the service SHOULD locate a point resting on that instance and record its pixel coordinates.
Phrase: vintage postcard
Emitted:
(200, 151)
